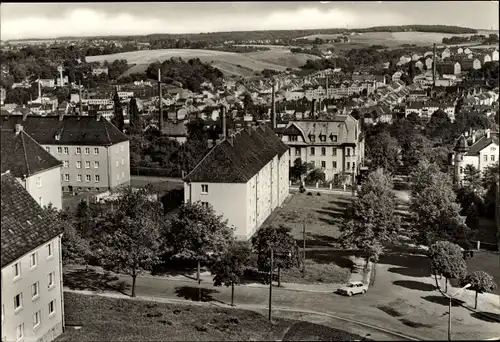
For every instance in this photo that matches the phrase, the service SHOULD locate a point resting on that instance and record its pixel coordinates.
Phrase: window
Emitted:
(313, 138)
(485, 158)
(87, 150)
(323, 164)
(66, 150)
(51, 283)
(87, 178)
(17, 270)
(49, 250)
(59, 150)
(18, 301)
(334, 151)
(35, 290)
(52, 307)
(323, 151)
(78, 164)
(204, 188)
(97, 178)
(123, 161)
(121, 148)
(78, 150)
(117, 163)
(461, 169)
(334, 164)
(79, 178)
(204, 204)
(348, 152)
(123, 174)
(313, 163)
(292, 137)
(96, 165)
(20, 331)
(297, 151)
(492, 157)
(96, 150)
(333, 137)
(348, 165)
(36, 319)
(87, 165)
(33, 260)
(66, 164)
(117, 176)
(353, 165)
(313, 151)
(66, 177)
(322, 138)
(48, 149)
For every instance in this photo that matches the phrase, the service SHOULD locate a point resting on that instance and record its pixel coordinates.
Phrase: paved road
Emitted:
(415, 317)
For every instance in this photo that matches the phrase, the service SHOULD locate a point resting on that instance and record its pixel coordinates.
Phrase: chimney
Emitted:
(39, 90)
(434, 65)
(248, 127)
(473, 137)
(19, 128)
(273, 108)
(488, 133)
(80, 97)
(98, 117)
(224, 125)
(160, 102)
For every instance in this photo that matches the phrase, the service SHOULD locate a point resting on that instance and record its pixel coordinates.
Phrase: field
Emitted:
(112, 319)
(239, 64)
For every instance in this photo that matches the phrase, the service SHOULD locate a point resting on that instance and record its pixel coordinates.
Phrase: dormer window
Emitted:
(322, 138)
(57, 137)
(292, 137)
(312, 137)
(333, 138)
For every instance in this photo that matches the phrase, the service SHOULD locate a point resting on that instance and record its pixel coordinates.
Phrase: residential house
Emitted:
(47, 82)
(416, 57)
(476, 65)
(32, 275)
(98, 71)
(397, 76)
(176, 131)
(419, 65)
(460, 50)
(404, 60)
(244, 177)
(333, 145)
(445, 54)
(480, 154)
(35, 168)
(428, 63)
(486, 58)
(95, 154)
(494, 55)
(467, 51)
(449, 68)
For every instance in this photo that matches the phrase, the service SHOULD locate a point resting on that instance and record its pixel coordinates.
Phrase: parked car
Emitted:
(354, 287)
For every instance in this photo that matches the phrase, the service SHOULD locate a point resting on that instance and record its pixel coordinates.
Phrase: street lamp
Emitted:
(271, 273)
(449, 308)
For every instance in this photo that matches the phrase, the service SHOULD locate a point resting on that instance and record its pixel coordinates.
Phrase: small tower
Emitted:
(461, 147)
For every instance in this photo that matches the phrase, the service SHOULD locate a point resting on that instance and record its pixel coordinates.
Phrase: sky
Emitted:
(51, 20)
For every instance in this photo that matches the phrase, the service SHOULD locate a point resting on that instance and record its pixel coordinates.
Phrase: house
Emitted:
(333, 145)
(428, 63)
(419, 65)
(481, 154)
(95, 154)
(244, 177)
(476, 64)
(176, 131)
(486, 58)
(467, 51)
(397, 76)
(47, 83)
(32, 284)
(415, 57)
(494, 55)
(98, 71)
(35, 168)
(445, 54)
(460, 50)
(404, 59)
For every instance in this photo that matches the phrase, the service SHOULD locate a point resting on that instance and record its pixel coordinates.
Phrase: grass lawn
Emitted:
(114, 319)
(488, 262)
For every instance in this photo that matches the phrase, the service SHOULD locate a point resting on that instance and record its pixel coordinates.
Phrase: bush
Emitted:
(302, 189)
(319, 193)
(309, 193)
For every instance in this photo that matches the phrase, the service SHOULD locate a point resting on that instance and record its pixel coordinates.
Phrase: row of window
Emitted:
(492, 157)
(37, 319)
(78, 150)
(88, 178)
(323, 151)
(33, 260)
(87, 164)
(322, 138)
(35, 292)
(334, 164)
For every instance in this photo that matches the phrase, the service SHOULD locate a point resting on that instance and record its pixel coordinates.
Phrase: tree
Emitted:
(447, 260)
(434, 209)
(370, 220)
(230, 267)
(118, 119)
(300, 169)
(130, 237)
(198, 233)
(490, 181)
(283, 245)
(316, 175)
(481, 282)
(135, 118)
(472, 177)
(383, 151)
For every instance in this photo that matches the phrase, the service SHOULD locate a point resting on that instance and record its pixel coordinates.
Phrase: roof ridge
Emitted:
(25, 155)
(235, 167)
(107, 133)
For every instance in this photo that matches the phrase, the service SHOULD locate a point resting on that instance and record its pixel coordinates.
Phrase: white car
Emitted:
(354, 287)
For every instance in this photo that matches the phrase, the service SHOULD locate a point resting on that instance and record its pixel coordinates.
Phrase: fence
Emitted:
(155, 172)
(492, 247)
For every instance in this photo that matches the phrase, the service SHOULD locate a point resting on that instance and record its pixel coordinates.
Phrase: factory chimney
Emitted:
(224, 124)
(80, 97)
(434, 65)
(273, 105)
(160, 102)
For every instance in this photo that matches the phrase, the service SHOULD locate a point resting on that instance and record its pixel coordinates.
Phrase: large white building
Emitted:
(244, 177)
(32, 287)
(481, 154)
(35, 168)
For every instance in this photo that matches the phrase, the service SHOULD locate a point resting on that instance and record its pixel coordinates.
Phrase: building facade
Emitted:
(37, 171)
(32, 284)
(94, 153)
(244, 177)
(335, 146)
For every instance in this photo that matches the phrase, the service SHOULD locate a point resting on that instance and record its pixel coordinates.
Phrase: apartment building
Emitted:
(35, 168)
(244, 177)
(94, 153)
(335, 146)
(32, 286)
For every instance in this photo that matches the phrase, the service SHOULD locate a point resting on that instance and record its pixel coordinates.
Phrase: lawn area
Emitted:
(488, 262)
(116, 319)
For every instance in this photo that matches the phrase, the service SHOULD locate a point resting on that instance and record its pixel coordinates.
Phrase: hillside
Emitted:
(231, 64)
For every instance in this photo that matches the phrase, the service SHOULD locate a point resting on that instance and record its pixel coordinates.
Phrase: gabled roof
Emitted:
(461, 145)
(23, 156)
(72, 129)
(178, 129)
(482, 144)
(238, 161)
(25, 225)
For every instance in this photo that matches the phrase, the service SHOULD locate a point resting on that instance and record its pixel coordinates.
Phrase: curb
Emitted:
(454, 300)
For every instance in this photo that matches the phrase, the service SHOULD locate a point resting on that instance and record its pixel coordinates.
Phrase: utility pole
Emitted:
(271, 284)
(497, 206)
